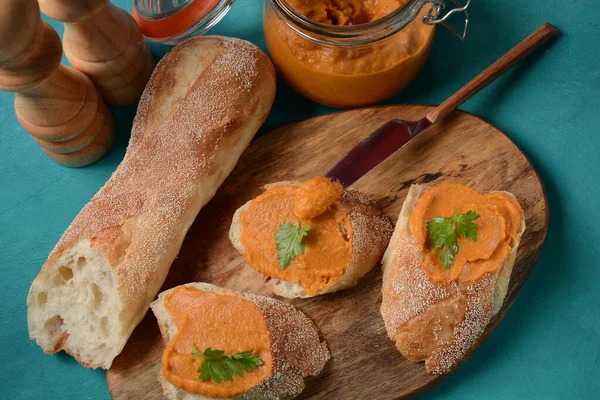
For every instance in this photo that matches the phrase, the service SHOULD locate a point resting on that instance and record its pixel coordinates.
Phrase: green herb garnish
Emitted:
(219, 367)
(443, 234)
(289, 242)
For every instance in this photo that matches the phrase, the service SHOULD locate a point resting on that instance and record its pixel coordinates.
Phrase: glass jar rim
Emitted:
(189, 18)
(353, 35)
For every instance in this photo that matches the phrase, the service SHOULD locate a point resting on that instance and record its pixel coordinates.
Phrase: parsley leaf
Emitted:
(220, 367)
(443, 234)
(466, 227)
(289, 242)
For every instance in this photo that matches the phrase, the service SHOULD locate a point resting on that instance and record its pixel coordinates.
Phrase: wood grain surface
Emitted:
(365, 363)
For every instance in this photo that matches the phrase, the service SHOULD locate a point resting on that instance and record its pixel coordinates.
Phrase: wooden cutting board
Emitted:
(365, 363)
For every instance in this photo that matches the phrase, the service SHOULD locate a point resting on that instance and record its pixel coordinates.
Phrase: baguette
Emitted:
(437, 323)
(296, 347)
(371, 233)
(203, 104)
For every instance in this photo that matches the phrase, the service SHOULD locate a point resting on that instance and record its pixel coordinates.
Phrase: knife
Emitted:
(393, 135)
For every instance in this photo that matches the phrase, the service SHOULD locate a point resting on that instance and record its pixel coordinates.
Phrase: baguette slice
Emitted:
(203, 104)
(435, 323)
(297, 350)
(372, 232)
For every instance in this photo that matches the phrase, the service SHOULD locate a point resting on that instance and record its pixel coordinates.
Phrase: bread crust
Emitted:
(203, 104)
(434, 323)
(297, 350)
(372, 230)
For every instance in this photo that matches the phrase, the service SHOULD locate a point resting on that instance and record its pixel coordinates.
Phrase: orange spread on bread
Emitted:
(499, 227)
(315, 196)
(221, 322)
(328, 246)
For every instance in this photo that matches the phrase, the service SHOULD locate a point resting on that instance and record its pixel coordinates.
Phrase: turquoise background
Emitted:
(547, 347)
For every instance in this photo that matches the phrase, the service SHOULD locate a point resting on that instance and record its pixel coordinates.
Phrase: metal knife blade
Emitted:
(392, 136)
(375, 148)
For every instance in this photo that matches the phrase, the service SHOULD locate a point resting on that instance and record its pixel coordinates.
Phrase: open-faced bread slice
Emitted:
(296, 350)
(436, 323)
(370, 232)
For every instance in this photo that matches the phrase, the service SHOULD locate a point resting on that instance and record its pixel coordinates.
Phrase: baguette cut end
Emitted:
(72, 306)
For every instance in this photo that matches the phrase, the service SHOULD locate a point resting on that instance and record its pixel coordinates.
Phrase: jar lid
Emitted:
(171, 21)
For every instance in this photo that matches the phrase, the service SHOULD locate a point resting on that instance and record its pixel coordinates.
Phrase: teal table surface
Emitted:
(547, 346)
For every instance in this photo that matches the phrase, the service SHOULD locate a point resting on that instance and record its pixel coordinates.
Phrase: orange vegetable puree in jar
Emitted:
(221, 322)
(499, 226)
(347, 75)
(328, 245)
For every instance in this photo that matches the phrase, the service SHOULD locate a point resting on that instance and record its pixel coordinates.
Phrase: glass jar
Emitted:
(352, 65)
(172, 21)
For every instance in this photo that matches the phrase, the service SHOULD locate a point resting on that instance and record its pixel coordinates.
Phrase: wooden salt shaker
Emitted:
(57, 105)
(105, 43)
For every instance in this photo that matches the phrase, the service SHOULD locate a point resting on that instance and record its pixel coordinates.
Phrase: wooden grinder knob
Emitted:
(105, 43)
(57, 105)
(29, 52)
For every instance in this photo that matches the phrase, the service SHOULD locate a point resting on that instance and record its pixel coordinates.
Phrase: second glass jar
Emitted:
(347, 65)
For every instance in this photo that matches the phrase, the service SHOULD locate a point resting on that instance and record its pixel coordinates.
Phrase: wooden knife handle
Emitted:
(530, 43)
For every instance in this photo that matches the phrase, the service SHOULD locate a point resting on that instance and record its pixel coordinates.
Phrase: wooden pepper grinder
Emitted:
(57, 105)
(105, 43)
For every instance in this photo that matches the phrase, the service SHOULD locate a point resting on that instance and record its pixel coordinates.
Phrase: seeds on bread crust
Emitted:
(437, 323)
(366, 230)
(297, 351)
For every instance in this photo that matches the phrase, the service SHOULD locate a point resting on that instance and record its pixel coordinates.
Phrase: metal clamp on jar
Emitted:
(353, 57)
